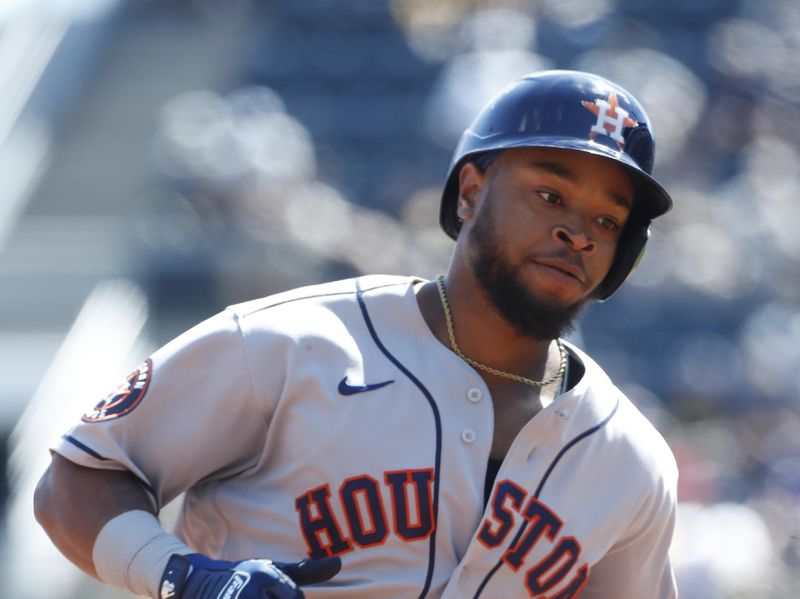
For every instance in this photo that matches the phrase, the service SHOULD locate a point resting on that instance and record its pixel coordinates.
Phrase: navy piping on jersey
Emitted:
(438, 425)
(97, 456)
(83, 447)
(547, 473)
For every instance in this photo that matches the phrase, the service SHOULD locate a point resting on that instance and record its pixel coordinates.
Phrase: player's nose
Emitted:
(575, 239)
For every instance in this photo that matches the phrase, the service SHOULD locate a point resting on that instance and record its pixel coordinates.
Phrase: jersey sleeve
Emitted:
(639, 565)
(187, 414)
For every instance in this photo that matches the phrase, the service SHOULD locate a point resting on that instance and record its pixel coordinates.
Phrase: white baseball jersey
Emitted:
(330, 421)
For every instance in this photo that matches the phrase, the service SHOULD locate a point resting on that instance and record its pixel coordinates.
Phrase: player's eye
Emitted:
(608, 223)
(550, 197)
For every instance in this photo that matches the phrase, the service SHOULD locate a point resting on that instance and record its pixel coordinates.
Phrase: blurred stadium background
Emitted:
(160, 160)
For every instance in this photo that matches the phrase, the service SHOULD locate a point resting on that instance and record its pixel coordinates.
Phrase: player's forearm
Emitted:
(72, 503)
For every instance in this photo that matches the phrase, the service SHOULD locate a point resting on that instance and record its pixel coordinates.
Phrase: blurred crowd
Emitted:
(321, 154)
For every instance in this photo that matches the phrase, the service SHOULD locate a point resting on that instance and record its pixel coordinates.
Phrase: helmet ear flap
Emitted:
(630, 251)
(640, 145)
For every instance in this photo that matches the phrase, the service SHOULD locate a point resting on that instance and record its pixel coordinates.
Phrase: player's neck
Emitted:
(482, 334)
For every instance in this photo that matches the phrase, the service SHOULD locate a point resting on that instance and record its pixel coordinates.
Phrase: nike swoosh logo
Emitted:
(346, 388)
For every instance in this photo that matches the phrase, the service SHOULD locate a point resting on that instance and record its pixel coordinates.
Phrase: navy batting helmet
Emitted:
(574, 111)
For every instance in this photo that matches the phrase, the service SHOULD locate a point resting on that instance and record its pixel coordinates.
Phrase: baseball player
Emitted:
(388, 436)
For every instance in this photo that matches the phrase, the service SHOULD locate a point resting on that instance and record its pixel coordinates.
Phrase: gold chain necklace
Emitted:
(508, 375)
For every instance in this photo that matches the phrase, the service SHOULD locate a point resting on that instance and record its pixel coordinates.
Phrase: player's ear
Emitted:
(471, 181)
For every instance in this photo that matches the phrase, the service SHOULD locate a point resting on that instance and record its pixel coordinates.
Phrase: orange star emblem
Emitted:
(612, 119)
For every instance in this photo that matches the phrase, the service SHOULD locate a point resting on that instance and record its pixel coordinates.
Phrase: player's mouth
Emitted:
(562, 268)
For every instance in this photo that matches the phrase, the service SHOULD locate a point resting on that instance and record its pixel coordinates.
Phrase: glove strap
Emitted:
(174, 579)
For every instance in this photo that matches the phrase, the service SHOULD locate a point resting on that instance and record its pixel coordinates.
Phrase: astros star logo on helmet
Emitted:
(612, 119)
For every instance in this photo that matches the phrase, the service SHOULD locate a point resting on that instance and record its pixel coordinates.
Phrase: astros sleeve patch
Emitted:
(125, 398)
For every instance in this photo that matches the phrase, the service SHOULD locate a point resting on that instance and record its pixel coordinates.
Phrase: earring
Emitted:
(463, 209)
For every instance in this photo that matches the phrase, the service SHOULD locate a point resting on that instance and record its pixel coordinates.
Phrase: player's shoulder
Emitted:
(323, 294)
(633, 428)
(627, 428)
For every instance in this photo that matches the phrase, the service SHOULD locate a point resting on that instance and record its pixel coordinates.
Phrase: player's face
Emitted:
(545, 233)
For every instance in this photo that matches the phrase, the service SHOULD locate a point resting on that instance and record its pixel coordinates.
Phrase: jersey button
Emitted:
(474, 394)
(468, 435)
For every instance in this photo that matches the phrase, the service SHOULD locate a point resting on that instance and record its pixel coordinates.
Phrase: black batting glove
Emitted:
(196, 576)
